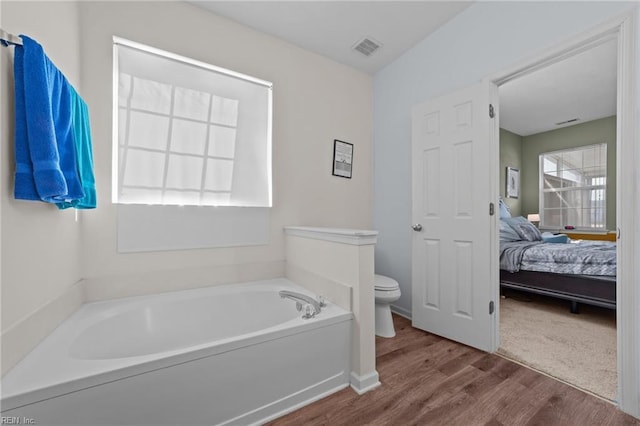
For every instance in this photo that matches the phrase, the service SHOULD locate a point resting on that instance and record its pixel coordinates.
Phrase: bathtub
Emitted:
(231, 354)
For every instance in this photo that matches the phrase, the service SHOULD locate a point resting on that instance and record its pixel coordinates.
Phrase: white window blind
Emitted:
(188, 133)
(573, 185)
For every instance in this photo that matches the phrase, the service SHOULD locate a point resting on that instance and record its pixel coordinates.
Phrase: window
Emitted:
(188, 133)
(573, 187)
(191, 153)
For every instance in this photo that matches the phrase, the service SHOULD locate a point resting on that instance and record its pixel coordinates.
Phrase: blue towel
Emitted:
(82, 137)
(44, 110)
(25, 186)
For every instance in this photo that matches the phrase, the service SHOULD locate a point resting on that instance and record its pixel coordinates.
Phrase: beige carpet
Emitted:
(580, 349)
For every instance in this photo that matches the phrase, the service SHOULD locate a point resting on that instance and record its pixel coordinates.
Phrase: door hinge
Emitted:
(492, 113)
(491, 307)
(492, 209)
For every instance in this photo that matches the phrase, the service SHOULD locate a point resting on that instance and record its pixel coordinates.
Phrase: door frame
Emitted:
(623, 28)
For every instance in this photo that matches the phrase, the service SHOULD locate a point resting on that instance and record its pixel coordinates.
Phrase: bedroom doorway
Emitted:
(566, 104)
(623, 29)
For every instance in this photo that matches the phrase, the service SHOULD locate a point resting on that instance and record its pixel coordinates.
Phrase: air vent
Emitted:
(573, 120)
(367, 46)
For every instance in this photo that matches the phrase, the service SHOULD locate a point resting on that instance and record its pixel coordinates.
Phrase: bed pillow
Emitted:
(507, 233)
(505, 212)
(525, 229)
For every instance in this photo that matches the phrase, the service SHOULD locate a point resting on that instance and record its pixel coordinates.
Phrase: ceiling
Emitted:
(583, 86)
(332, 28)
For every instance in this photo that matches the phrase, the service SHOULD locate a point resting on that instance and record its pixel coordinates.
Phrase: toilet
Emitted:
(387, 290)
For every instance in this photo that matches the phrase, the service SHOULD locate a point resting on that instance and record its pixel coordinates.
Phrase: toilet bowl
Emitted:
(387, 291)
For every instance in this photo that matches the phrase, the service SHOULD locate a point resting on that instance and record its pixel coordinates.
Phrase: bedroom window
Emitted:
(188, 133)
(573, 185)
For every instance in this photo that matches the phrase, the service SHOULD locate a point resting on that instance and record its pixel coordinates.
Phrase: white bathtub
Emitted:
(235, 354)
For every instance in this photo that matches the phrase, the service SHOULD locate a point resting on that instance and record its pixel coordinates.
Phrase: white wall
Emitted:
(484, 39)
(315, 102)
(40, 244)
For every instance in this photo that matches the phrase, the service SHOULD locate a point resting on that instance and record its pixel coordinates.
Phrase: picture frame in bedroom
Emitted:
(512, 189)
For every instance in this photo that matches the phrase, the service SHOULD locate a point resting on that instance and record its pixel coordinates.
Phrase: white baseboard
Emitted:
(363, 384)
(401, 311)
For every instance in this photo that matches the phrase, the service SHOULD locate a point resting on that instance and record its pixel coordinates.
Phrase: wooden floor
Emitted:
(428, 380)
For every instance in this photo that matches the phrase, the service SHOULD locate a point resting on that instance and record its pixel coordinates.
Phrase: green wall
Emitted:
(589, 133)
(510, 156)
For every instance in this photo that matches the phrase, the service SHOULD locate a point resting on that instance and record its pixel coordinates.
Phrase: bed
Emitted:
(577, 271)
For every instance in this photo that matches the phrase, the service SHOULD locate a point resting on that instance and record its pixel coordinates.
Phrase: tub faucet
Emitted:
(312, 306)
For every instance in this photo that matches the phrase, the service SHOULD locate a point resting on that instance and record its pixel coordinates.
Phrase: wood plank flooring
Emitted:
(429, 380)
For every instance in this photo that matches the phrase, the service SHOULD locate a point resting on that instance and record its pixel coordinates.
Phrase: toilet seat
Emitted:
(385, 283)
(387, 296)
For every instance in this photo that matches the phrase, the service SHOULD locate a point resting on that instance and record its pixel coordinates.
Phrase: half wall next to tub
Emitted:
(338, 264)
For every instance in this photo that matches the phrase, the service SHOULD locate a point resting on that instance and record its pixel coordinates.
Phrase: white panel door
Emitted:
(451, 256)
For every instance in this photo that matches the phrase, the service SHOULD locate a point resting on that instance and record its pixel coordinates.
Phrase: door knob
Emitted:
(417, 227)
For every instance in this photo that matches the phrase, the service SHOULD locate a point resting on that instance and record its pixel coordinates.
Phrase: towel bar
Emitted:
(7, 38)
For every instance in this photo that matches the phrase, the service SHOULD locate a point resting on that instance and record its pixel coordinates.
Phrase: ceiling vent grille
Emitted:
(367, 46)
(573, 120)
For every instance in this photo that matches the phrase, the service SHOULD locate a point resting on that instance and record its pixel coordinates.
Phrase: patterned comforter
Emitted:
(578, 257)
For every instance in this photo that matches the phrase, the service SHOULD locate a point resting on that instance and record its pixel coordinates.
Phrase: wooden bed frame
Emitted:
(574, 288)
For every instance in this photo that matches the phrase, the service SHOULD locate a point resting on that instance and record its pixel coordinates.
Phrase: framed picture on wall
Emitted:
(342, 158)
(513, 183)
